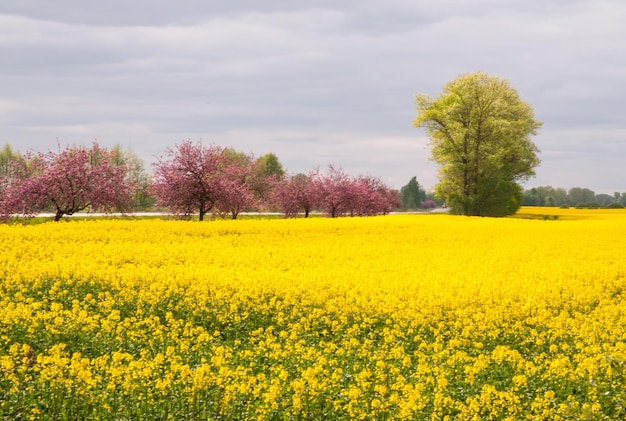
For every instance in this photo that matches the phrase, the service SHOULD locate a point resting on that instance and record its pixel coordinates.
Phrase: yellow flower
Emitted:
(398, 314)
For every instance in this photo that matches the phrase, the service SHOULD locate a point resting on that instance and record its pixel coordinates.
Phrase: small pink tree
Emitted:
(248, 183)
(393, 200)
(237, 179)
(71, 181)
(299, 193)
(337, 191)
(187, 179)
(375, 197)
(364, 195)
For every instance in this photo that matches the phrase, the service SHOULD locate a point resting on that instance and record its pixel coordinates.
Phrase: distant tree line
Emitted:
(414, 197)
(575, 197)
(190, 179)
(197, 179)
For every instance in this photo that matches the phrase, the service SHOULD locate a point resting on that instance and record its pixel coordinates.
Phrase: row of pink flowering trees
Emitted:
(335, 193)
(196, 178)
(191, 178)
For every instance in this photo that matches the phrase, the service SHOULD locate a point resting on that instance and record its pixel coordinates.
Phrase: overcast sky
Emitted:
(315, 82)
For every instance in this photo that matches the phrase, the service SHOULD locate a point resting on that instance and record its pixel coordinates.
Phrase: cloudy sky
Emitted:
(315, 82)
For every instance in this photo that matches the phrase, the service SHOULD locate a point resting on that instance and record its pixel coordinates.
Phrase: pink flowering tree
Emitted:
(342, 194)
(362, 199)
(337, 191)
(372, 197)
(197, 178)
(299, 193)
(70, 181)
(237, 180)
(248, 183)
(394, 201)
(187, 179)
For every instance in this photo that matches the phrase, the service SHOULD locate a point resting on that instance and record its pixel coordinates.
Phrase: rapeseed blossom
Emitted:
(398, 317)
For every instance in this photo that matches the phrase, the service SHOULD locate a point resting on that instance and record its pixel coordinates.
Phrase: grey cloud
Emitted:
(335, 80)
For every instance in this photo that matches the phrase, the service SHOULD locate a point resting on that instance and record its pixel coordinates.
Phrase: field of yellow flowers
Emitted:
(399, 317)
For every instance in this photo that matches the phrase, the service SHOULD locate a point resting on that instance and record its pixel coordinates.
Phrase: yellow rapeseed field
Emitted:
(407, 317)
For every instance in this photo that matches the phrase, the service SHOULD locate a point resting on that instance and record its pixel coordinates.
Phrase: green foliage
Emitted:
(577, 195)
(587, 205)
(235, 156)
(499, 197)
(7, 156)
(479, 133)
(412, 195)
(545, 196)
(271, 165)
(143, 200)
(538, 216)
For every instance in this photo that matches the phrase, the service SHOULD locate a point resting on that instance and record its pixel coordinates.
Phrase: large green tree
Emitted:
(479, 132)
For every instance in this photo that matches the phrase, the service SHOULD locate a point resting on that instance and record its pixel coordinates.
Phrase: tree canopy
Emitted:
(270, 165)
(479, 132)
(187, 178)
(66, 182)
